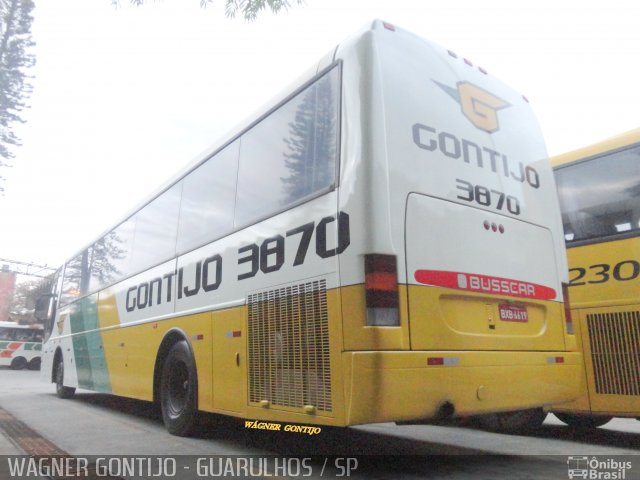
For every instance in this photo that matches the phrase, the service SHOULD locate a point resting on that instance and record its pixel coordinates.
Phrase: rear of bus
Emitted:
(599, 190)
(452, 297)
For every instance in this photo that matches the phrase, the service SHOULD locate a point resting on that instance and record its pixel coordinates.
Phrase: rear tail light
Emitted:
(381, 290)
(567, 309)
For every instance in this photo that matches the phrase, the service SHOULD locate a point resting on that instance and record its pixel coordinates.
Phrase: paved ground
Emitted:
(95, 424)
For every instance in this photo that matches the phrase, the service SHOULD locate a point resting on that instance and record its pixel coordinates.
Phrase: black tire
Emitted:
(34, 363)
(583, 421)
(513, 422)
(61, 390)
(18, 363)
(178, 391)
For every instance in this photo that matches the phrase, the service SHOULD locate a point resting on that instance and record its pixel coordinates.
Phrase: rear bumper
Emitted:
(393, 386)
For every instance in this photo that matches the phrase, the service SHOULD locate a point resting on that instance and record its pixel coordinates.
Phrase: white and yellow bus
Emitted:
(599, 190)
(382, 243)
(20, 345)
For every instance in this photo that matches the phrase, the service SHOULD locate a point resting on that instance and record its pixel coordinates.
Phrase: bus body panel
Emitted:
(606, 314)
(275, 309)
(611, 355)
(601, 213)
(453, 132)
(387, 386)
(605, 274)
(115, 342)
(507, 312)
(410, 147)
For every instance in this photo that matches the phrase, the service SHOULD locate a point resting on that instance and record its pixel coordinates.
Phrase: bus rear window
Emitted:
(600, 197)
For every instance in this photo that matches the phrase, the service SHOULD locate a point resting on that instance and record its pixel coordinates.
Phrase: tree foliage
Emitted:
(249, 9)
(25, 296)
(15, 59)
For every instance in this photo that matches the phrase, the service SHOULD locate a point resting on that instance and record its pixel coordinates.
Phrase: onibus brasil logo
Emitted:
(597, 468)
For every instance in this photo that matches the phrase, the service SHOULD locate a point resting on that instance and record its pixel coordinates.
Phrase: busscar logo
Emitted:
(478, 105)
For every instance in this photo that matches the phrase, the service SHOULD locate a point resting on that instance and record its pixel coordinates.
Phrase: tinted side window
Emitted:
(156, 230)
(77, 273)
(601, 197)
(291, 154)
(7, 334)
(56, 290)
(111, 258)
(208, 200)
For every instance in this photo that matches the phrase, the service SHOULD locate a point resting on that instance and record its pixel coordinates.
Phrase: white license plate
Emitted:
(513, 313)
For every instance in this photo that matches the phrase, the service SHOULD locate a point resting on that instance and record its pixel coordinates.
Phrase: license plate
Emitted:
(513, 313)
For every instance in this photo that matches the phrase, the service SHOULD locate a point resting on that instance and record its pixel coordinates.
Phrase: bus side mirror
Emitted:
(44, 307)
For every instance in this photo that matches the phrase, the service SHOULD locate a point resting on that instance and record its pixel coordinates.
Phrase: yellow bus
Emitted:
(599, 192)
(380, 243)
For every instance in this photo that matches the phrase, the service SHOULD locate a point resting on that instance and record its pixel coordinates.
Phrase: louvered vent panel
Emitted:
(615, 352)
(288, 332)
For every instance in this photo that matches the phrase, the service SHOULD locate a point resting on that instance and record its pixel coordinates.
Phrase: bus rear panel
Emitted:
(458, 202)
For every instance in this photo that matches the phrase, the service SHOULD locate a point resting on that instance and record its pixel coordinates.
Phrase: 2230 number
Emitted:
(602, 272)
(269, 256)
(487, 197)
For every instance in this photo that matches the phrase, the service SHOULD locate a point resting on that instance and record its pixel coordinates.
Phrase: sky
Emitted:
(125, 97)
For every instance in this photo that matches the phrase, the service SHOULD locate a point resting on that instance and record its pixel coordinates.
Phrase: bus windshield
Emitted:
(600, 196)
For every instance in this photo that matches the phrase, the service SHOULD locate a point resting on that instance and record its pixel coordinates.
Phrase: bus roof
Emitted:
(606, 145)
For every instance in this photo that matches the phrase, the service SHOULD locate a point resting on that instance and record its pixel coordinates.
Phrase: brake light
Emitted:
(567, 309)
(381, 290)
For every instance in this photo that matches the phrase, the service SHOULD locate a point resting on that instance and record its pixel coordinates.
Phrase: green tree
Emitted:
(15, 59)
(249, 9)
(25, 296)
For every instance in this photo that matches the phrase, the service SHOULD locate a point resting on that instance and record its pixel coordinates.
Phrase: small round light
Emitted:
(486, 225)
(494, 227)
(501, 229)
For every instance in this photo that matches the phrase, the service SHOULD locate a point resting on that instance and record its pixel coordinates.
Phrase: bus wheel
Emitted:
(583, 421)
(34, 363)
(18, 363)
(178, 391)
(513, 422)
(61, 390)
